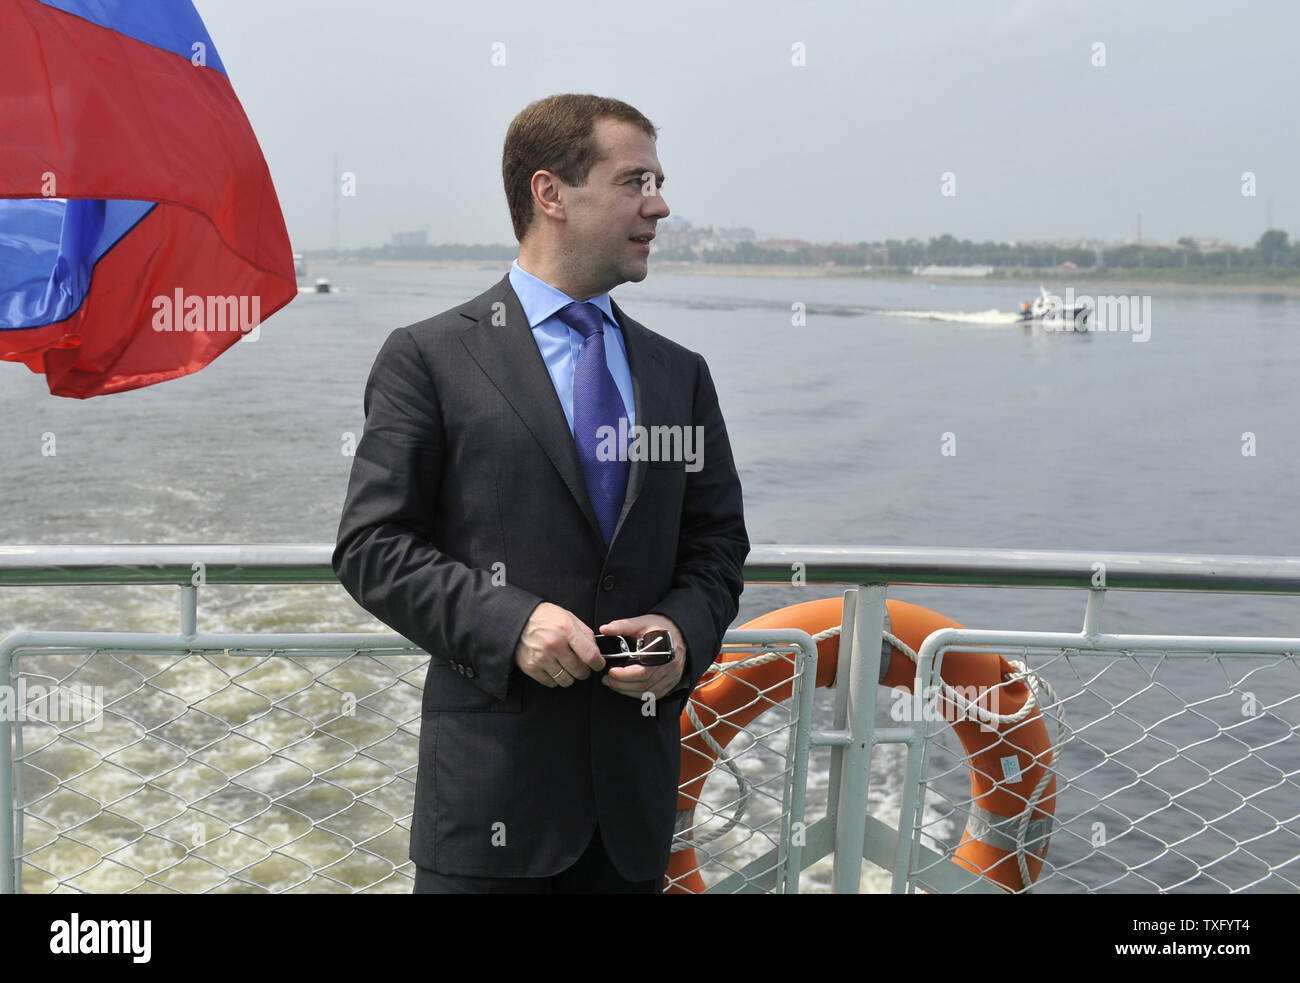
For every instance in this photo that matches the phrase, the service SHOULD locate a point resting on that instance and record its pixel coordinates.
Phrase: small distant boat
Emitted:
(299, 265)
(322, 285)
(1049, 310)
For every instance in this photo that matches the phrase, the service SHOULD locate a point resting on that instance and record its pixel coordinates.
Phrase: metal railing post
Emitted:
(1092, 613)
(798, 785)
(189, 609)
(861, 675)
(7, 810)
(840, 713)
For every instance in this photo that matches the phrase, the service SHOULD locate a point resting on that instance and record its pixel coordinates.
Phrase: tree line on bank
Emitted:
(1273, 251)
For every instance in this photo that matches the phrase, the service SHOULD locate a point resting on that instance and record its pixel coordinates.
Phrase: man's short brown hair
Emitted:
(556, 134)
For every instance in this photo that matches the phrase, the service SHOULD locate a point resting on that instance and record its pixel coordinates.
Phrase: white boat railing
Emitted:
(192, 762)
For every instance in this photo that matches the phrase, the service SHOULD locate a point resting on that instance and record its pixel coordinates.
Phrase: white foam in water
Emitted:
(989, 317)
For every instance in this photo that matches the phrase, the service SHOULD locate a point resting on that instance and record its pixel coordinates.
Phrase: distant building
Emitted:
(952, 270)
(786, 245)
(740, 233)
(407, 239)
(674, 233)
(1209, 244)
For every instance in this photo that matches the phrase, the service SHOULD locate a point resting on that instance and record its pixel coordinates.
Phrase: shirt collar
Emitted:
(540, 300)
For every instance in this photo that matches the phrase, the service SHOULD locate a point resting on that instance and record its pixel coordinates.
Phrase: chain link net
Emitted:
(284, 771)
(742, 820)
(1175, 772)
(270, 771)
(281, 771)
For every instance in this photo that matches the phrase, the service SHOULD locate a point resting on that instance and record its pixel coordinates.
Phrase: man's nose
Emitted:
(657, 204)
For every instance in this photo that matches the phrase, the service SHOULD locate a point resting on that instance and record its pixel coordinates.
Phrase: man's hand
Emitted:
(555, 647)
(635, 681)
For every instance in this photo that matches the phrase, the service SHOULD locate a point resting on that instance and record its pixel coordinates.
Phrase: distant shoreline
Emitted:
(1081, 280)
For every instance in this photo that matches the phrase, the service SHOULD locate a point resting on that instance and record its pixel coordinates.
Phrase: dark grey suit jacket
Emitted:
(466, 508)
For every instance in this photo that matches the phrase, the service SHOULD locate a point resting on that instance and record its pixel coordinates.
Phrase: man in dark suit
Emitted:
(537, 466)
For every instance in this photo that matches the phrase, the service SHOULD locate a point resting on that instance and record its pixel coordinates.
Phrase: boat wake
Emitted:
(990, 317)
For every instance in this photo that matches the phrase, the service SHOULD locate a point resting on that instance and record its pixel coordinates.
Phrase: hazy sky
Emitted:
(850, 146)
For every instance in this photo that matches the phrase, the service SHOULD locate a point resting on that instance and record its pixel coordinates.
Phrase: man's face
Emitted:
(621, 200)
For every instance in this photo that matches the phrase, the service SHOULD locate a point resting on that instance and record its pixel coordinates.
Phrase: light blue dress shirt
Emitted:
(559, 343)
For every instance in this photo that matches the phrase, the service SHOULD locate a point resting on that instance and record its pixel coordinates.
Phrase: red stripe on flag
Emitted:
(112, 117)
(172, 248)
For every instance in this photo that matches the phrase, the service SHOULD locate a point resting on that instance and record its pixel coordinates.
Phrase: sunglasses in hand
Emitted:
(654, 648)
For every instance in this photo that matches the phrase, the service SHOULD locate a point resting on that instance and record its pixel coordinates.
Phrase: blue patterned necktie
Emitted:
(596, 404)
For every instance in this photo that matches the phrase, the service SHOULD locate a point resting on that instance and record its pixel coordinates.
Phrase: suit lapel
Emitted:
(649, 388)
(502, 344)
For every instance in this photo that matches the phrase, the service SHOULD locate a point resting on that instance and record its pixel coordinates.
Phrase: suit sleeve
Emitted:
(385, 555)
(712, 543)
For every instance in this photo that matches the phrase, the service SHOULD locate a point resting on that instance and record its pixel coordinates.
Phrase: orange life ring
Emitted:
(1001, 788)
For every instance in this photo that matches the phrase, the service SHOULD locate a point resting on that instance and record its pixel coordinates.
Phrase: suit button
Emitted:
(607, 583)
(469, 672)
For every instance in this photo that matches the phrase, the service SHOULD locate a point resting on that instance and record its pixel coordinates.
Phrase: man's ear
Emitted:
(548, 197)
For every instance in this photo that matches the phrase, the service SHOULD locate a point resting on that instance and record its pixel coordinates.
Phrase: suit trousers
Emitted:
(593, 873)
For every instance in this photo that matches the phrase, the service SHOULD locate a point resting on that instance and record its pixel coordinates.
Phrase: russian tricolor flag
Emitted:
(130, 183)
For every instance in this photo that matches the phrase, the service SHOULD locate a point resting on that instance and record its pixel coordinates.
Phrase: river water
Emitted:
(890, 413)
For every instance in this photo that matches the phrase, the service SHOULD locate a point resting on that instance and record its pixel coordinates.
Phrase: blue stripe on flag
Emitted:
(173, 25)
(48, 251)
